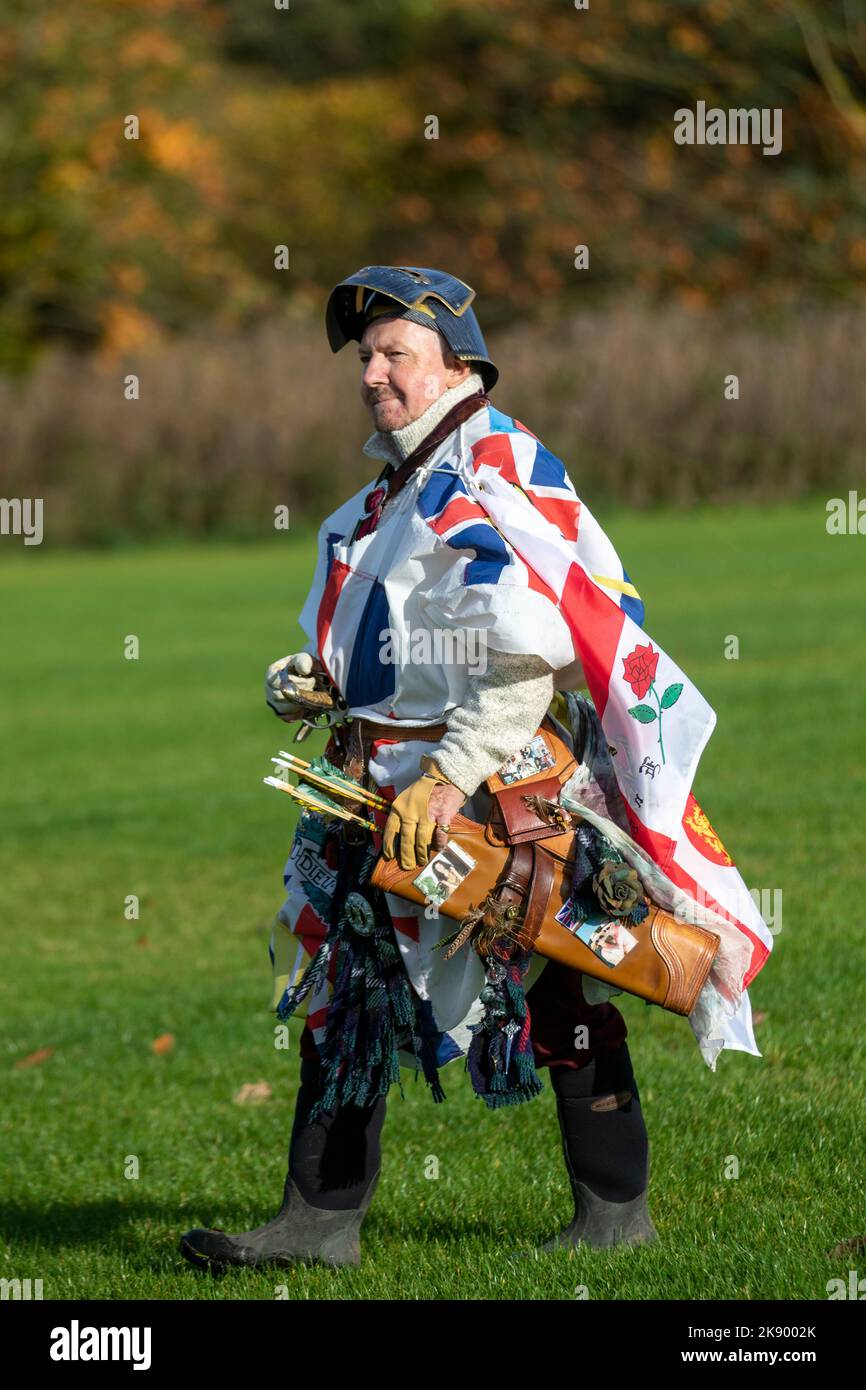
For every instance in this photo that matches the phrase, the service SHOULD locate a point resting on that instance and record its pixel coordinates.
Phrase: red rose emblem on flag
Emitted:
(640, 673)
(640, 669)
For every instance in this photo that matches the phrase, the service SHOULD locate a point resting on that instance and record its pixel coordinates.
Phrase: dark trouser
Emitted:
(604, 1136)
(334, 1160)
(557, 1009)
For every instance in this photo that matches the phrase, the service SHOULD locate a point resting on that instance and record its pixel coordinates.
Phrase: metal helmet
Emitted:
(429, 297)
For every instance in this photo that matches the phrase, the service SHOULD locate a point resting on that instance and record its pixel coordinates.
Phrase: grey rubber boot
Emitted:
(606, 1150)
(600, 1224)
(333, 1169)
(299, 1232)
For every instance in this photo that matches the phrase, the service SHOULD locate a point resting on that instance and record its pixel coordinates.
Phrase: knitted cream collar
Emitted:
(397, 445)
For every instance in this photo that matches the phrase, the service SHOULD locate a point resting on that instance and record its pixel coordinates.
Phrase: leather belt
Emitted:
(363, 732)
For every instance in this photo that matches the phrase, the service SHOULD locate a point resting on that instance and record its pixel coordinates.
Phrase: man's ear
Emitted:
(457, 367)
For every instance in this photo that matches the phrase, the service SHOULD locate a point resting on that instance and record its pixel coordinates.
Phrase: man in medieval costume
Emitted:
(407, 560)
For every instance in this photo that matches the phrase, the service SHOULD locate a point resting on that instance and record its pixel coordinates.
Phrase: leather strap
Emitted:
(527, 881)
(539, 892)
(362, 733)
(518, 873)
(397, 478)
(430, 733)
(513, 886)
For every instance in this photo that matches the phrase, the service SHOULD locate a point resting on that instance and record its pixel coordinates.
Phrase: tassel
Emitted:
(373, 1010)
(500, 1061)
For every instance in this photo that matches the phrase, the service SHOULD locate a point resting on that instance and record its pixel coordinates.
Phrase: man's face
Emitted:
(404, 371)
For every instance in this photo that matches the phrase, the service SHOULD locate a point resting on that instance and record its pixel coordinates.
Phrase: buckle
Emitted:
(353, 833)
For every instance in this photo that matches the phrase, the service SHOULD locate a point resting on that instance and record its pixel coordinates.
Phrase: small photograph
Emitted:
(533, 757)
(610, 941)
(444, 872)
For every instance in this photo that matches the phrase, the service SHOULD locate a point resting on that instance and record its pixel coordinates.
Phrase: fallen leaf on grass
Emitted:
(35, 1059)
(252, 1092)
(164, 1043)
(855, 1246)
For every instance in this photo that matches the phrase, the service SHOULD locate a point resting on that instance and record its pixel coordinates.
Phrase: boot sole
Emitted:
(564, 1242)
(217, 1264)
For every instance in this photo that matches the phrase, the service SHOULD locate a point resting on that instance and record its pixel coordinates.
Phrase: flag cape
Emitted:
(489, 537)
(654, 718)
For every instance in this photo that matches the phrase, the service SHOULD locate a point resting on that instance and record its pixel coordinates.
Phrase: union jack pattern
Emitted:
(490, 534)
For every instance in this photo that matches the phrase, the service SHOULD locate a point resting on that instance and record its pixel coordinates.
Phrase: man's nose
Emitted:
(376, 371)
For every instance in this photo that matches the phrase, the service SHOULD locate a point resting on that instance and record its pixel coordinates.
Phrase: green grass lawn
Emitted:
(144, 777)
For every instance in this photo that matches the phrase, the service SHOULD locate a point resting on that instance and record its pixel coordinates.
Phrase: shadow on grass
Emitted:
(126, 1225)
(92, 1223)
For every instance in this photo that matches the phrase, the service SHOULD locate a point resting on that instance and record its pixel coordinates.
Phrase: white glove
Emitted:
(300, 667)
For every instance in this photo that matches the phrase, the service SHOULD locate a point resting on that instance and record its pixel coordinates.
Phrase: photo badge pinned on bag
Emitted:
(533, 757)
(444, 873)
(608, 939)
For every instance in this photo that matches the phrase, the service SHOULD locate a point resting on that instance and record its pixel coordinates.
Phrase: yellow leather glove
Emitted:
(413, 819)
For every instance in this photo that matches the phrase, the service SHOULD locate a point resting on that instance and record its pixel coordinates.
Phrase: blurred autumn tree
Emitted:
(108, 241)
(306, 127)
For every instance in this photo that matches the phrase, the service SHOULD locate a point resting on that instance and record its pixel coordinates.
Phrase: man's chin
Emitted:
(389, 419)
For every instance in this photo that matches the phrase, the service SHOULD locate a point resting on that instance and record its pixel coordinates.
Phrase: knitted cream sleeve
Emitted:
(502, 710)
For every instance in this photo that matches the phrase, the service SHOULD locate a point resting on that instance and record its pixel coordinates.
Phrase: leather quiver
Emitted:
(668, 966)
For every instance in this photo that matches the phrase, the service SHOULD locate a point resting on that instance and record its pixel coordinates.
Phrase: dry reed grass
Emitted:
(630, 397)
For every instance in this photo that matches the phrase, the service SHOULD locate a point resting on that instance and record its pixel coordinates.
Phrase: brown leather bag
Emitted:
(522, 860)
